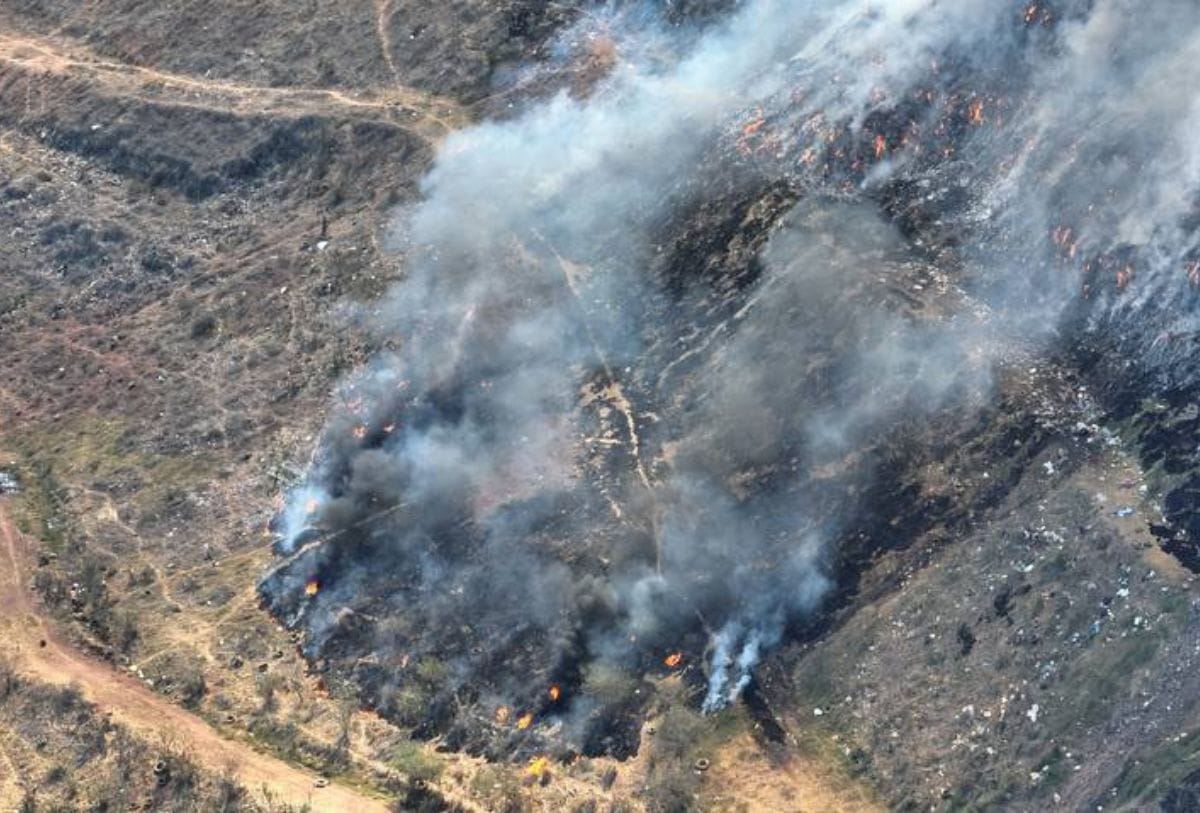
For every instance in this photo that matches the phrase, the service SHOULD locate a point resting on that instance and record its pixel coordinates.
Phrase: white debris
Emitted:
(1032, 714)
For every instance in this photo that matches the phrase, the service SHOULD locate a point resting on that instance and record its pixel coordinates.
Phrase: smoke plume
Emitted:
(588, 449)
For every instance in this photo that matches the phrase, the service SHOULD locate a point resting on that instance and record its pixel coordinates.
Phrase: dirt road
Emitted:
(428, 115)
(23, 627)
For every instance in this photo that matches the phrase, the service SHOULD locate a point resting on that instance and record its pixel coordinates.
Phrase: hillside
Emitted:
(496, 405)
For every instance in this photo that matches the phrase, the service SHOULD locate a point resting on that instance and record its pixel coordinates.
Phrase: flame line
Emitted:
(329, 537)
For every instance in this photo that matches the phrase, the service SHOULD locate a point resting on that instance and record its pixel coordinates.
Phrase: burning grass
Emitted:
(840, 158)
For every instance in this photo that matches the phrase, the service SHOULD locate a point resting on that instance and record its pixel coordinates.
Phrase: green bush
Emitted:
(415, 762)
(611, 686)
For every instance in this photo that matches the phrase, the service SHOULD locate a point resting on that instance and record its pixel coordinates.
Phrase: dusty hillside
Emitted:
(193, 202)
(199, 207)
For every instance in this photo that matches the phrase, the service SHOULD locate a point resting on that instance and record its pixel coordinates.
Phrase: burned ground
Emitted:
(188, 270)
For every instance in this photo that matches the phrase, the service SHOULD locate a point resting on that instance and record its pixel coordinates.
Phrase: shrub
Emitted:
(192, 686)
(609, 685)
(124, 631)
(412, 760)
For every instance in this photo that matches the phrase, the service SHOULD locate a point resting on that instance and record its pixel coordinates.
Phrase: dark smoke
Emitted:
(580, 455)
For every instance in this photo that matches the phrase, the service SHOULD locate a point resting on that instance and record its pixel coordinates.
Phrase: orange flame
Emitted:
(1124, 276)
(525, 720)
(502, 715)
(1193, 272)
(360, 432)
(539, 768)
(975, 112)
(880, 147)
(555, 693)
(1064, 238)
(755, 124)
(674, 660)
(389, 428)
(311, 506)
(312, 588)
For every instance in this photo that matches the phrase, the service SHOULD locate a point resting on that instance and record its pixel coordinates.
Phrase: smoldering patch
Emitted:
(574, 468)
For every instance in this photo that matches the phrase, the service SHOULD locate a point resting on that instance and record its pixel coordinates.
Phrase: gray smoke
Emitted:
(566, 451)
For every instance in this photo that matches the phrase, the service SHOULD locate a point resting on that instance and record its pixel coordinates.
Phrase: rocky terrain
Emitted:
(215, 217)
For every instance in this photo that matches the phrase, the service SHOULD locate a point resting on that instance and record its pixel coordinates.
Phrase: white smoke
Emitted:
(528, 262)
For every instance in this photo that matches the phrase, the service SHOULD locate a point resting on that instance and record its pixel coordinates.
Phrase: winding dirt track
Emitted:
(426, 114)
(23, 627)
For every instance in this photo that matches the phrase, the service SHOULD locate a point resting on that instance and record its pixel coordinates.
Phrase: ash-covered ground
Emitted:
(677, 332)
(799, 395)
